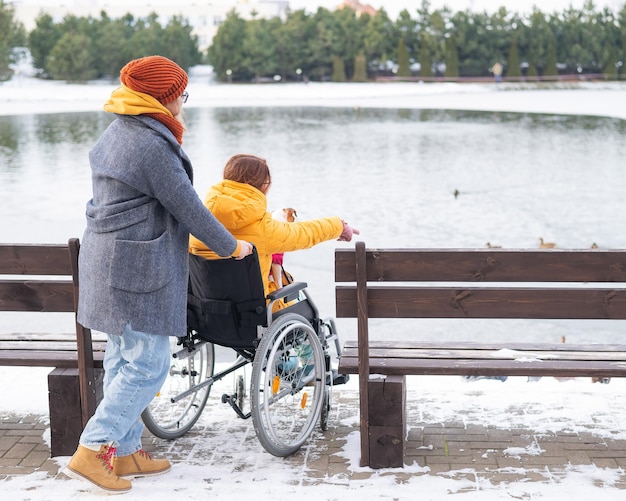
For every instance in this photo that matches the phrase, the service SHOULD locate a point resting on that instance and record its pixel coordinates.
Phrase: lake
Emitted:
(392, 173)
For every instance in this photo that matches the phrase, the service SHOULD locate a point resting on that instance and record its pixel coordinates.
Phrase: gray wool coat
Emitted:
(133, 262)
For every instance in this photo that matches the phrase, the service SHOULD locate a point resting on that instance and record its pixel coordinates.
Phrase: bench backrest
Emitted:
(486, 283)
(44, 278)
(47, 294)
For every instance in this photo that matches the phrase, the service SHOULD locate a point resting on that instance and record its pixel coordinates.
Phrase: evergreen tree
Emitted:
(347, 36)
(147, 39)
(41, 40)
(322, 45)
(12, 35)
(111, 42)
(549, 68)
(339, 70)
(71, 58)
(360, 70)
(426, 63)
(377, 39)
(179, 44)
(513, 67)
(293, 48)
(452, 58)
(226, 53)
(404, 64)
(610, 67)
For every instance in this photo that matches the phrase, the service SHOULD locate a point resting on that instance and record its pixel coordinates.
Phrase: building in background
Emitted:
(358, 7)
(203, 16)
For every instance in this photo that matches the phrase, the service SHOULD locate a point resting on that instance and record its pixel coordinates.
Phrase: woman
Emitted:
(239, 202)
(133, 263)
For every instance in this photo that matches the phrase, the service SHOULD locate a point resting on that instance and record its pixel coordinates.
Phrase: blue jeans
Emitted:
(136, 365)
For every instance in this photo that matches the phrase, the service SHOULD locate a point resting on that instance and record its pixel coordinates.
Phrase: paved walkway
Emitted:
(475, 452)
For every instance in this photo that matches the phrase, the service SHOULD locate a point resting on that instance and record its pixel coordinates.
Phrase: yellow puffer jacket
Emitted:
(242, 209)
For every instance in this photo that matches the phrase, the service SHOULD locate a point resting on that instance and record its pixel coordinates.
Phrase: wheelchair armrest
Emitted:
(290, 292)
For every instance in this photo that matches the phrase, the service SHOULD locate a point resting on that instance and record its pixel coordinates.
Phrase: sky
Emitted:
(393, 7)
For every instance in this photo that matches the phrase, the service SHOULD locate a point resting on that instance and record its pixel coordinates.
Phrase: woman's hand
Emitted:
(246, 249)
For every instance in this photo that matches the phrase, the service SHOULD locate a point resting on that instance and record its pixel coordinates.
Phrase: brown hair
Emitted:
(248, 169)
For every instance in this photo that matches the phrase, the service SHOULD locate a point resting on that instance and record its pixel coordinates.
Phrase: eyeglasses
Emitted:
(184, 96)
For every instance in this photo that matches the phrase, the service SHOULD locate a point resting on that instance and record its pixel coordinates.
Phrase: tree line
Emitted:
(331, 45)
(86, 48)
(339, 45)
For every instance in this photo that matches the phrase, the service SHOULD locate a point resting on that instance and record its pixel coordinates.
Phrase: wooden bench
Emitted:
(44, 278)
(468, 284)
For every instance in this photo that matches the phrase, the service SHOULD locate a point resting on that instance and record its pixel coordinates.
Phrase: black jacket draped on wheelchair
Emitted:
(226, 301)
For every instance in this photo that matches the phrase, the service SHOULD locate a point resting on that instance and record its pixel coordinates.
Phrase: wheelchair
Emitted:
(290, 352)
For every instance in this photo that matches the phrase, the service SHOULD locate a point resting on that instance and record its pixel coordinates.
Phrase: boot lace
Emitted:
(144, 454)
(107, 457)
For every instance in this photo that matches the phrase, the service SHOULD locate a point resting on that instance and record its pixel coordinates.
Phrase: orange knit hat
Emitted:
(156, 76)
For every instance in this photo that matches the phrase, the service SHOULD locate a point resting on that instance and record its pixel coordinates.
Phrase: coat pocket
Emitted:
(142, 266)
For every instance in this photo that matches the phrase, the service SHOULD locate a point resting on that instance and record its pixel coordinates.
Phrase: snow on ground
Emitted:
(549, 406)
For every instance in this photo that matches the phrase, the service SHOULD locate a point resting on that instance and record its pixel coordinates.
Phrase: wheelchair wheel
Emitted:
(170, 420)
(287, 386)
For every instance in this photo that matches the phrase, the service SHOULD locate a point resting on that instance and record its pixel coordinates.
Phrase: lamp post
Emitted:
(229, 75)
(299, 73)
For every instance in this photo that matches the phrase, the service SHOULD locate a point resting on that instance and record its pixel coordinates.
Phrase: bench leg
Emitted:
(387, 430)
(65, 409)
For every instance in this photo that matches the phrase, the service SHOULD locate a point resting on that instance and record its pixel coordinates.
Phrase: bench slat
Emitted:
(481, 302)
(34, 259)
(514, 355)
(484, 265)
(35, 358)
(46, 345)
(37, 295)
(481, 367)
(47, 336)
(490, 346)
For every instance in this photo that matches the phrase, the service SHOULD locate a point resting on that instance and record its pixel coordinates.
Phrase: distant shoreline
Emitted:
(27, 95)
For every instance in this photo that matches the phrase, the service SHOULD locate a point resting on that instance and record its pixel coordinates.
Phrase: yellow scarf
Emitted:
(125, 101)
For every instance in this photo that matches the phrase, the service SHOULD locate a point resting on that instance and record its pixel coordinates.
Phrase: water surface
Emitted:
(391, 173)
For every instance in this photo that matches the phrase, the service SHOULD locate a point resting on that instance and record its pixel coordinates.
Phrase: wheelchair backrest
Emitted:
(226, 300)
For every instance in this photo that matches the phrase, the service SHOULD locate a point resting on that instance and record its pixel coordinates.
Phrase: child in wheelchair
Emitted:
(239, 202)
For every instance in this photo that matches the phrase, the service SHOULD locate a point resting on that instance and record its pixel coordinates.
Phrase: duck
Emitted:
(546, 245)
(489, 246)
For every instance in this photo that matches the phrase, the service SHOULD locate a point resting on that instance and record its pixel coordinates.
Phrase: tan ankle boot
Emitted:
(140, 464)
(97, 468)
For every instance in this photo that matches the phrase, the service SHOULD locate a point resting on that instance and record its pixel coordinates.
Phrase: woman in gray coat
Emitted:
(133, 263)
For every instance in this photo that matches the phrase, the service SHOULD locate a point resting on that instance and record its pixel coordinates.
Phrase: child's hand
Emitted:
(347, 233)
